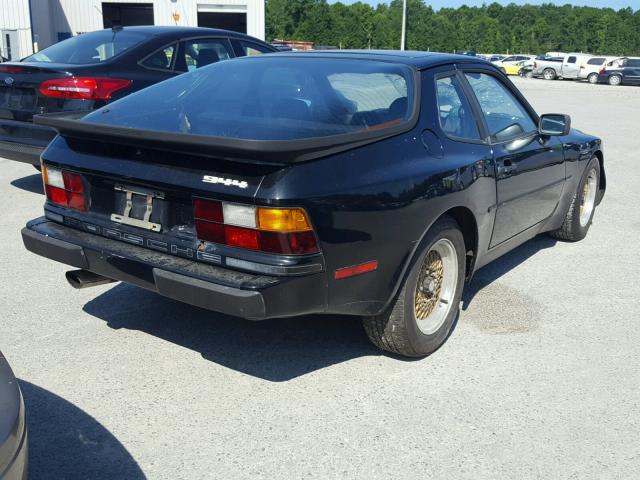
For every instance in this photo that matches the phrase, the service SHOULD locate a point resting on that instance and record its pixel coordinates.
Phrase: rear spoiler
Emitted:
(279, 152)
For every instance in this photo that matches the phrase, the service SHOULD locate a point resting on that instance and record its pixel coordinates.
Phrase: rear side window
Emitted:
(272, 98)
(571, 60)
(506, 117)
(454, 112)
(88, 48)
(161, 59)
(633, 62)
(248, 49)
(596, 61)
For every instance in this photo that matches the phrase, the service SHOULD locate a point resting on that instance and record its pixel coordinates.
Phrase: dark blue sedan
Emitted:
(86, 72)
(358, 183)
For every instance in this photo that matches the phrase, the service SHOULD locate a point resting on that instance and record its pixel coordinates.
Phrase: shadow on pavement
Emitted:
(65, 442)
(30, 183)
(490, 273)
(275, 350)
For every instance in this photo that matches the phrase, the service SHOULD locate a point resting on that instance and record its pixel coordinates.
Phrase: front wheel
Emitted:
(593, 78)
(615, 80)
(583, 206)
(424, 312)
(549, 74)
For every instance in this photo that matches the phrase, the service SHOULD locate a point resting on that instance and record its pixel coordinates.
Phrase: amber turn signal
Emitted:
(283, 220)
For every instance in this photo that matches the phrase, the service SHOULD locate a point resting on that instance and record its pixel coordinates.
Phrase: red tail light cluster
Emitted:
(84, 88)
(601, 72)
(285, 231)
(12, 69)
(64, 188)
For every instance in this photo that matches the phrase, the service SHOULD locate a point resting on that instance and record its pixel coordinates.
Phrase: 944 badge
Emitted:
(228, 182)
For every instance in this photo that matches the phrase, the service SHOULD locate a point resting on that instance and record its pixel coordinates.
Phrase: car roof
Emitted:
(175, 30)
(416, 59)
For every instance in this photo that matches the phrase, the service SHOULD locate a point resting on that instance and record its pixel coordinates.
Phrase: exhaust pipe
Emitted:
(85, 279)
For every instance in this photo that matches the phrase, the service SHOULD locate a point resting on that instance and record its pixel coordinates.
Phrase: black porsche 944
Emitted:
(358, 183)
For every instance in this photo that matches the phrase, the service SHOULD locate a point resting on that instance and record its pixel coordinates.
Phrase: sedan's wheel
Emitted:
(593, 78)
(421, 317)
(580, 215)
(615, 80)
(549, 74)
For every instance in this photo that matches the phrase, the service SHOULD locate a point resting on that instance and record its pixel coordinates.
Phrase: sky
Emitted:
(436, 4)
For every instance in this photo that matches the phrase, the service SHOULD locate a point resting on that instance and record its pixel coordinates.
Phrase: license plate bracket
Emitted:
(127, 218)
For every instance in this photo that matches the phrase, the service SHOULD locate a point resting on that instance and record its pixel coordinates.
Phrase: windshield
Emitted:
(94, 47)
(270, 98)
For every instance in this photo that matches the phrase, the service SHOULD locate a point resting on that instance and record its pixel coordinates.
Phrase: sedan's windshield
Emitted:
(271, 99)
(94, 47)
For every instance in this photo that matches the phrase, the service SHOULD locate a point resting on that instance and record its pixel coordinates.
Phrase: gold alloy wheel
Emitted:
(436, 286)
(588, 198)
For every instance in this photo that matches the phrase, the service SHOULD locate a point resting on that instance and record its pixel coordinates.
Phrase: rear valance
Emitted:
(280, 152)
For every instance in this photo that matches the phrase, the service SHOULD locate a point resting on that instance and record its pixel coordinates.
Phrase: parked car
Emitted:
(554, 67)
(93, 69)
(514, 59)
(591, 68)
(13, 426)
(512, 68)
(625, 71)
(495, 58)
(356, 183)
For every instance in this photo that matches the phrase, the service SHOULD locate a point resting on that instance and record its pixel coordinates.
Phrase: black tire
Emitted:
(592, 78)
(615, 80)
(549, 74)
(396, 330)
(571, 229)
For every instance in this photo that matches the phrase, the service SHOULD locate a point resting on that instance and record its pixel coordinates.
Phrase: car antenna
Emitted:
(116, 27)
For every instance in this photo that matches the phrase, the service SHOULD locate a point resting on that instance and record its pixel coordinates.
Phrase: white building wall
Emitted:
(14, 15)
(80, 16)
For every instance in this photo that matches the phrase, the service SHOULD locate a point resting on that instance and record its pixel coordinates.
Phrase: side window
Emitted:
(506, 117)
(596, 61)
(161, 59)
(510, 59)
(202, 52)
(571, 60)
(248, 49)
(454, 111)
(633, 62)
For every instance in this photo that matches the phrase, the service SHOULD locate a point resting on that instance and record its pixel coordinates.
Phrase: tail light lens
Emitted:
(64, 188)
(12, 69)
(285, 231)
(84, 88)
(601, 72)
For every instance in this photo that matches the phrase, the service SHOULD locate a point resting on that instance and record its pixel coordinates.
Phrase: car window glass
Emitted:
(454, 112)
(249, 49)
(506, 117)
(273, 98)
(509, 59)
(596, 61)
(204, 51)
(161, 59)
(571, 60)
(94, 47)
(633, 62)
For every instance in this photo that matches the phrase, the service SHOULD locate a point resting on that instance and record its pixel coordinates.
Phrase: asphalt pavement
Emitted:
(540, 379)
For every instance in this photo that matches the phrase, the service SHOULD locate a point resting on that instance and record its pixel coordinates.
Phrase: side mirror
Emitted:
(554, 124)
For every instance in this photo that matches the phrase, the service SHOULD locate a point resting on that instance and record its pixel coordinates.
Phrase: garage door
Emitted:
(227, 17)
(127, 14)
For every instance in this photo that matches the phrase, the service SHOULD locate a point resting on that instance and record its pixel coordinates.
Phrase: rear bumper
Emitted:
(24, 141)
(246, 295)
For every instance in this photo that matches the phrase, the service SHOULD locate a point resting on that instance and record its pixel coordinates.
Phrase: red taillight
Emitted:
(84, 88)
(271, 230)
(601, 72)
(12, 69)
(64, 188)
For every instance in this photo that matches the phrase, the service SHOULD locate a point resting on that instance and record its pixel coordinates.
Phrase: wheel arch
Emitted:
(603, 178)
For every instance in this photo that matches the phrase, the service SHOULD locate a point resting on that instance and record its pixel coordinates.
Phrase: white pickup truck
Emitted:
(568, 66)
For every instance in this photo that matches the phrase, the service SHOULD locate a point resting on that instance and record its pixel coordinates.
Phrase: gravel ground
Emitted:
(540, 379)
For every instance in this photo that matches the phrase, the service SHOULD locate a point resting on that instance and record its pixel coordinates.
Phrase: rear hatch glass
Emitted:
(272, 98)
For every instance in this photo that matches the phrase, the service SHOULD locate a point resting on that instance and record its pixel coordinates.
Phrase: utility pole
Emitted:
(404, 24)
